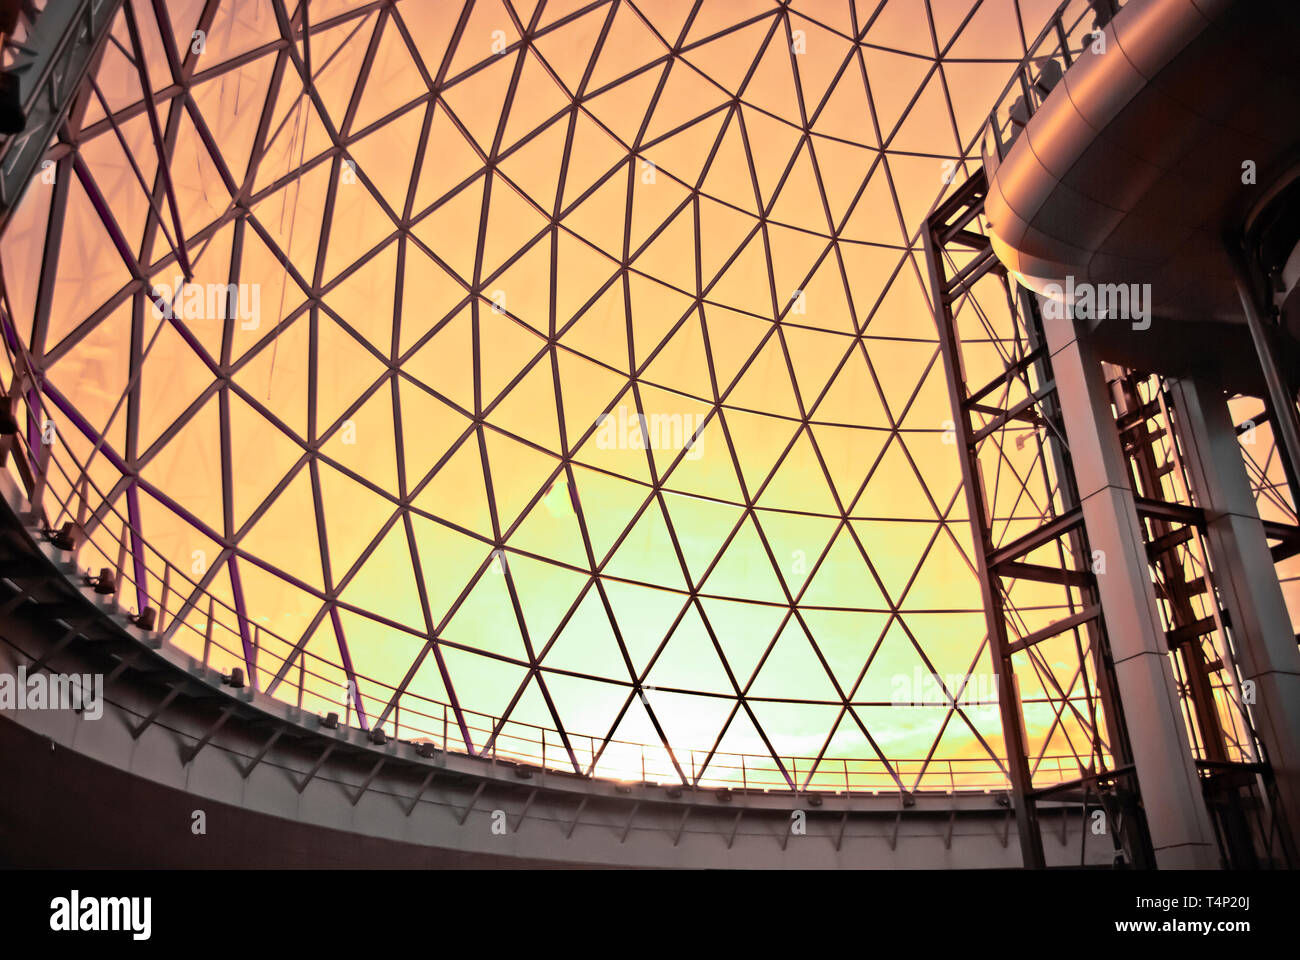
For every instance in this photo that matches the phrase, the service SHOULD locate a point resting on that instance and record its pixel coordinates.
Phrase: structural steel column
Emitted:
(966, 205)
(1280, 398)
(1182, 835)
(1247, 581)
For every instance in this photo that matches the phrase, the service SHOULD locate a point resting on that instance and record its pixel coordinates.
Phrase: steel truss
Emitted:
(1018, 408)
(1014, 404)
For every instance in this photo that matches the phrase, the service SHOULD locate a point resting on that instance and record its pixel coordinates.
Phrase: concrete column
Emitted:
(1182, 834)
(1244, 573)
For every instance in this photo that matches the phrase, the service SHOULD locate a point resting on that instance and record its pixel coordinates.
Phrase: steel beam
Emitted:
(469, 807)
(528, 805)
(261, 754)
(370, 777)
(1280, 399)
(424, 785)
(315, 769)
(1031, 842)
(159, 707)
(577, 814)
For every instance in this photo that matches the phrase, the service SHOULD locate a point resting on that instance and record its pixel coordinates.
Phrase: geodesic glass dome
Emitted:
(544, 377)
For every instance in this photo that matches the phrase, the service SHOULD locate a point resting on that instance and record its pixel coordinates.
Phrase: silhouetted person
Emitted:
(1104, 11)
(12, 119)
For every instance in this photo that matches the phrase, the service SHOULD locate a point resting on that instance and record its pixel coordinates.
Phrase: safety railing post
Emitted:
(207, 634)
(166, 596)
(119, 570)
(83, 505)
(257, 644)
(35, 500)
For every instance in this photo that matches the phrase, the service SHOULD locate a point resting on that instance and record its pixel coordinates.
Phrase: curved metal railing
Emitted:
(1071, 31)
(209, 629)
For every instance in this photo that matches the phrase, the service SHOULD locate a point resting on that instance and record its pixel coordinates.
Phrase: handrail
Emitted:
(420, 719)
(1061, 42)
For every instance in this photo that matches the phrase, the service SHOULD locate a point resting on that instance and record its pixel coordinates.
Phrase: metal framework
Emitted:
(1009, 491)
(1038, 571)
(55, 625)
(685, 217)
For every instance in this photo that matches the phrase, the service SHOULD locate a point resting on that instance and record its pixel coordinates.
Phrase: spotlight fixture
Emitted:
(235, 678)
(814, 800)
(146, 619)
(674, 792)
(723, 795)
(523, 771)
(330, 721)
(105, 584)
(426, 750)
(378, 737)
(909, 800)
(622, 788)
(65, 538)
